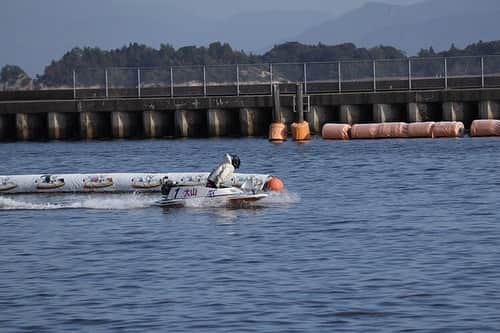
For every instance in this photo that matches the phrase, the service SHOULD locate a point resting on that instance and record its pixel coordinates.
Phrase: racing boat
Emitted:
(180, 196)
(49, 182)
(6, 184)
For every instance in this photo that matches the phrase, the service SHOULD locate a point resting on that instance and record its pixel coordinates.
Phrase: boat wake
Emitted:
(96, 201)
(127, 201)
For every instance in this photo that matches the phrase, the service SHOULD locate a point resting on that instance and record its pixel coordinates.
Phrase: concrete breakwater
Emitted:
(237, 116)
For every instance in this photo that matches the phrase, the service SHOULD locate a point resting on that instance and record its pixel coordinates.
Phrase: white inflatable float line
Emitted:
(113, 182)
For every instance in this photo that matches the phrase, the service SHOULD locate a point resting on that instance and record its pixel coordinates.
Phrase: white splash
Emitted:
(99, 201)
(126, 201)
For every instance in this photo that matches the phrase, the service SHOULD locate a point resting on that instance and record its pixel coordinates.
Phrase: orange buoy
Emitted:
(277, 132)
(485, 127)
(448, 129)
(392, 130)
(336, 131)
(364, 131)
(420, 130)
(274, 184)
(301, 131)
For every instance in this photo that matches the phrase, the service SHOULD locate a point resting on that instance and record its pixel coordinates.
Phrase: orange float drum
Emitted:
(392, 130)
(277, 132)
(448, 129)
(485, 127)
(336, 131)
(420, 130)
(364, 131)
(301, 131)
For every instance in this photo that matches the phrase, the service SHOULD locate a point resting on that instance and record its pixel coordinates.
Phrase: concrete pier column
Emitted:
(415, 112)
(419, 112)
(7, 127)
(62, 125)
(126, 124)
(350, 114)
(31, 126)
(320, 115)
(158, 124)
(222, 122)
(287, 115)
(190, 123)
(489, 110)
(255, 121)
(458, 111)
(384, 113)
(95, 125)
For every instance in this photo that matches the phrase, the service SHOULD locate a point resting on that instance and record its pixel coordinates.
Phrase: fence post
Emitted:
(445, 73)
(409, 73)
(171, 82)
(340, 76)
(106, 79)
(204, 81)
(305, 78)
(374, 76)
(482, 72)
(139, 82)
(237, 80)
(74, 84)
(271, 76)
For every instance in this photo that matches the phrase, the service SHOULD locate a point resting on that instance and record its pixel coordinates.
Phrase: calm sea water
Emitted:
(371, 236)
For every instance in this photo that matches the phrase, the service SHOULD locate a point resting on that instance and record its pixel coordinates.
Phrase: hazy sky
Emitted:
(34, 32)
(224, 8)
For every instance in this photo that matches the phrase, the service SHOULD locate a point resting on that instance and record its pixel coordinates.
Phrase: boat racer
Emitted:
(223, 172)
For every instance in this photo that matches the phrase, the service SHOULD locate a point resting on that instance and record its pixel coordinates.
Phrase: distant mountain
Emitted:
(34, 32)
(437, 23)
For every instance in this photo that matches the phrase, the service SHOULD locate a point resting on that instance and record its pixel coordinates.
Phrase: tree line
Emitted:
(59, 72)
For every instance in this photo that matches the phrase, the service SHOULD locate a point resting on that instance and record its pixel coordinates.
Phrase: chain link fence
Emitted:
(319, 77)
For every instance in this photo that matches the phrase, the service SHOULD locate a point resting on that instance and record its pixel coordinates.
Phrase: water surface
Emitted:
(390, 235)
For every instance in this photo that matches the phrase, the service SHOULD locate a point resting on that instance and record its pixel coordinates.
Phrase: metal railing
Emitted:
(316, 77)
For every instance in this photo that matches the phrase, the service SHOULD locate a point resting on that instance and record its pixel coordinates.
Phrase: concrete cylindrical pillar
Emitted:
(126, 124)
(423, 112)
(7, 127)
(222, 122)
(385, 113)
(415, 112)
(453, 111)
(158, 124)
(190, 123)
(318, 116)
(62, 125)
(95, 125)
(350, 114)
(31, 126)
(254, 121)
(489, 110)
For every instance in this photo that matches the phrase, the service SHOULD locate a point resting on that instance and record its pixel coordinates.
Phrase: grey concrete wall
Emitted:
(223, 122)
(158, 124)
(458, 111)
(419, 112)
(190, 123)
(385, 113)
(126, 124)
(7, 127)
(63, 126)
(31, 126)
(489, 109)
(255, 121)
(95, 125)
(320, 115)
(355, 114)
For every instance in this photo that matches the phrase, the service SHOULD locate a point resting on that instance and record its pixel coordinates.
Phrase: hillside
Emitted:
(433, 22)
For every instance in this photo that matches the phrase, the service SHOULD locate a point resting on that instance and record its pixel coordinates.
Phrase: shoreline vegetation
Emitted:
(59, 72)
